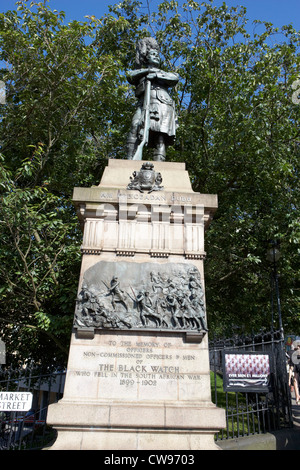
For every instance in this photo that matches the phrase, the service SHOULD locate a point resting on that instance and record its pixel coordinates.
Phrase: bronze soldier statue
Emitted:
(154, 122)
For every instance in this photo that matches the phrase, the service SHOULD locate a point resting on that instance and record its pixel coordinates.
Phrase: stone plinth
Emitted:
(138, 370)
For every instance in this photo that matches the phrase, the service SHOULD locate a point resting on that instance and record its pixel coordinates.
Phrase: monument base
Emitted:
(136, 391)
(79, 438)
(138, 374)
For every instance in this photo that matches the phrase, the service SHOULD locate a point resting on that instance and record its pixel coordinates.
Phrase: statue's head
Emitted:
(147, 53)
(153, 58)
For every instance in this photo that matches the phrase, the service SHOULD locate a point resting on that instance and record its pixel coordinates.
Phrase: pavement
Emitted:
(296, 414)
(289, 439)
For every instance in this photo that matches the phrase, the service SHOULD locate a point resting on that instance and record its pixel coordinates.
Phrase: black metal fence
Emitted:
(247, 413)
(22, 430)
(252, 412)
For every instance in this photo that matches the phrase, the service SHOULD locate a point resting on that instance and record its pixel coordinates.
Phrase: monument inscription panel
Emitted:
(135, 367)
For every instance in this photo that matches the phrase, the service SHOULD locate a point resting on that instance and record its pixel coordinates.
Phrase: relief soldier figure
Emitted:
(157, 282)
(90, 310)
(187, 312)
(198, 305)
(89, 301)
(116, 293)
(146, 307)
(155, 121)
(194, 285)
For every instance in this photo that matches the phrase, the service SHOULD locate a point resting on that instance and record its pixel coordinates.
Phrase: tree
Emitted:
(69, 108)
(39, 250)
(62, 100)
(239, 136)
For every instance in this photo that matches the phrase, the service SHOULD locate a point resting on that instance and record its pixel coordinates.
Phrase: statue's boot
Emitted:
(131, 148)
(159, 153)
(158, 157)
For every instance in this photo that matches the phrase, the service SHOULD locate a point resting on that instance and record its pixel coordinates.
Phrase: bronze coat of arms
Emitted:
(146, 179)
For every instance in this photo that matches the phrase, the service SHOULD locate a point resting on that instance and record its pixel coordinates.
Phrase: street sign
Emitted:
(15, 401)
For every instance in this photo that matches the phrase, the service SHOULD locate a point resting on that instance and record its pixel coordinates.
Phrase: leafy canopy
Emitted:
(68, 109)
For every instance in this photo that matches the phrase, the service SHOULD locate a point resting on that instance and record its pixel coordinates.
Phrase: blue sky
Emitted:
(278, 12)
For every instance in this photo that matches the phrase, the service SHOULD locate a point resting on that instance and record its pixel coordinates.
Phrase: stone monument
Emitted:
(138, 373)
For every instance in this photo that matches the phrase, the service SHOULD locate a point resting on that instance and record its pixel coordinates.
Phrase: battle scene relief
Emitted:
(141, 296)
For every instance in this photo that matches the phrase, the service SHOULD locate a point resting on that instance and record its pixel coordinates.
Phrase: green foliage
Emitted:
(239, 136)
(68, 109)
(39, 259)
(56, 133)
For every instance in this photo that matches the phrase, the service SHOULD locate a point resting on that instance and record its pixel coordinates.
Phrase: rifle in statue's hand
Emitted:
(146, 118)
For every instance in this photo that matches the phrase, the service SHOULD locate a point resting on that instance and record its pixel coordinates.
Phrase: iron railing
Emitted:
(22, 430)
(249, 413)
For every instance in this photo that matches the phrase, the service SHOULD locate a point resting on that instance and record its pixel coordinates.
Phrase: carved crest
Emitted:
(146, 179)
